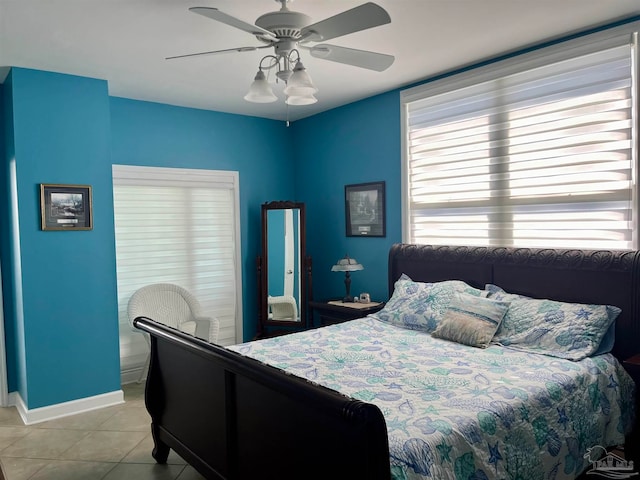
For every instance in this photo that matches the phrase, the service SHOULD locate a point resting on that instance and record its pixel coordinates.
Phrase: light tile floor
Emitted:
(112, 443)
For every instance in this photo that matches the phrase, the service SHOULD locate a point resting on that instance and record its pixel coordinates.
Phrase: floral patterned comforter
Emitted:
(458, 412)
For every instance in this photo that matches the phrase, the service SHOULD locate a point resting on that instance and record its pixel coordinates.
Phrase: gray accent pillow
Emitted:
(471, 320)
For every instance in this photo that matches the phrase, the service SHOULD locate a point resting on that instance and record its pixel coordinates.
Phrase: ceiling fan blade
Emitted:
(222, 17)
(358, 58)
(214, 52)
(367, 15)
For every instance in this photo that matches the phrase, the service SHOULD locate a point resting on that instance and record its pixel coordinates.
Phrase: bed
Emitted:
(313, 405)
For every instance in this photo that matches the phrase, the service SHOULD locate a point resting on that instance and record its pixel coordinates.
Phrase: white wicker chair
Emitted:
(175, 307)
(282, 307)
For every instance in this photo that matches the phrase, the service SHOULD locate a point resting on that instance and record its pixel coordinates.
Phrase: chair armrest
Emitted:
(207, 328)
(283, 307)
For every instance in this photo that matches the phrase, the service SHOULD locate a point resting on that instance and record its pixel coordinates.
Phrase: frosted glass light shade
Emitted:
(300, 84)
(260, 90)
(301, 100)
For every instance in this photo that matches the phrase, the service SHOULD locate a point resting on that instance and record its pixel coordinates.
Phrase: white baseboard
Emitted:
(131, 376)
(51, 412)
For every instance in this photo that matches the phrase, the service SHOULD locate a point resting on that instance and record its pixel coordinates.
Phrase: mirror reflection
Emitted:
(283, 260)
(284, 269)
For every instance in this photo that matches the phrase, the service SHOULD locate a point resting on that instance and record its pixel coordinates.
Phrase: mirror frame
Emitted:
(263, 274)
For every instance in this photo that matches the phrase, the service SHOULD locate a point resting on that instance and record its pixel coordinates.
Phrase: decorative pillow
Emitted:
(471, 320)
(420, 306)
(566, 330)
(609, 339)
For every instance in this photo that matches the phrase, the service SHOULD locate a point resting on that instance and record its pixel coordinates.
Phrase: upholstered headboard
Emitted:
(608, 277)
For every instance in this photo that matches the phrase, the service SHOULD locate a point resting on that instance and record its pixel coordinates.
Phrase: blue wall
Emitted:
(64, 337)
(276, 247)
(6, 218)
(356, 143)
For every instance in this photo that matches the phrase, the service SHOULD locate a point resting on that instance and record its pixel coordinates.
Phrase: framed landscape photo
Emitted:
(365, 209)
(65, 207)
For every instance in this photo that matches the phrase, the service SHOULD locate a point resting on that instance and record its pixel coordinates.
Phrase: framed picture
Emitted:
(65, 207)
(365, 210)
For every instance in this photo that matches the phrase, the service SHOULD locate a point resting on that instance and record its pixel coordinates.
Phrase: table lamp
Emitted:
(347, 265)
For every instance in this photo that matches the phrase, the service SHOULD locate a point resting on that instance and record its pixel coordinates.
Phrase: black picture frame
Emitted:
(65, 207)
(365, 209)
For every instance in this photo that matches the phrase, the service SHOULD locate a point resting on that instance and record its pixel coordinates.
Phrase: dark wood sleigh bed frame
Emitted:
(232, 417)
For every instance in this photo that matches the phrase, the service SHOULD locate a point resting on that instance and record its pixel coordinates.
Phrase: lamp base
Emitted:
(347, 283)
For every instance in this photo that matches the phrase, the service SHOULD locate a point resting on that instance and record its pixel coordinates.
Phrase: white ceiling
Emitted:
(126, 41)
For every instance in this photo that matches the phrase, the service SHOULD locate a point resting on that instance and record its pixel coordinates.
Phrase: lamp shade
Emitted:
(300, 84)
(347, 264)
(301, 100)
(260, 90)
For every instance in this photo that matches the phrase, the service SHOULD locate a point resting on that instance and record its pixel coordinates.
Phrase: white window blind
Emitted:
(177, 226)
(541, 156)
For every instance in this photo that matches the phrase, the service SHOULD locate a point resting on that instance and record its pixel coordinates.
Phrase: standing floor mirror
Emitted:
(284, 270)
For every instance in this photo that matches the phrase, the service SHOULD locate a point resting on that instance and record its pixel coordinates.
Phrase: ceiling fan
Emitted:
(286, 31)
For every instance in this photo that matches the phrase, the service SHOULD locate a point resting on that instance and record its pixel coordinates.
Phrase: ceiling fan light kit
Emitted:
(260, 90)
(287, 31)
(299, 85)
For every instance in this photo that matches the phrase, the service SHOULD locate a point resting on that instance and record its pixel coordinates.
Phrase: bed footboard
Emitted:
(232, 417)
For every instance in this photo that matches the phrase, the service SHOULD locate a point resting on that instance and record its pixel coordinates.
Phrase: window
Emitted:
(177, 226)
(537, 150)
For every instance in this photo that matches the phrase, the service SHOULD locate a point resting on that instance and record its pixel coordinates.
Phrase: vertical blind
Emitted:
(177, 226)
(541, 157)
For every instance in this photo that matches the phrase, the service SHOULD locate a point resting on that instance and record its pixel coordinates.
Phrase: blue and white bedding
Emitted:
(458, 412)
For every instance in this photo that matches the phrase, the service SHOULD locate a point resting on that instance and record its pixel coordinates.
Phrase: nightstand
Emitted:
(632, 443)
(335, 311)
